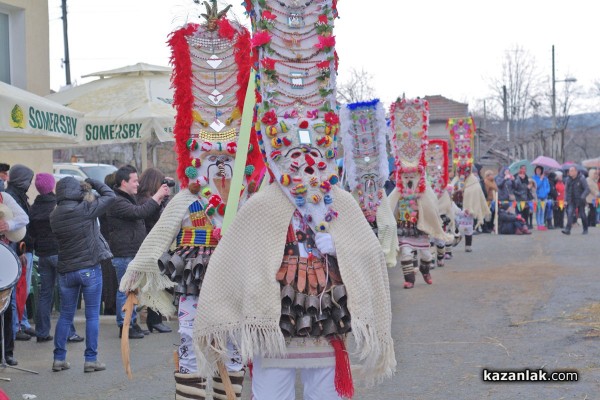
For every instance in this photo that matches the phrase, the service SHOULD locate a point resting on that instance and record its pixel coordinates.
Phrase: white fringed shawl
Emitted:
(429, 218)
(240, 298)
(387, 233)
(142, 272)
(474, 200)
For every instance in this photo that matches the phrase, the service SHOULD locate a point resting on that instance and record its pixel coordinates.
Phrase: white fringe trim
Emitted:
(151, 291)
(266, 340)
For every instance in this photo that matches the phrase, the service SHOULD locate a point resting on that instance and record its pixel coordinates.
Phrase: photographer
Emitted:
(126, 221)
(151, 181)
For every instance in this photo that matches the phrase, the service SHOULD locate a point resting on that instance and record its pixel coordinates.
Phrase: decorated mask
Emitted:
(436, 156)
(409, 125)
(211, 72)
(297, 121)
(462, 135)
(364, 133)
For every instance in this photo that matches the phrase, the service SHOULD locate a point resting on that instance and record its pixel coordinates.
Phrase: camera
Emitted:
(168, 182)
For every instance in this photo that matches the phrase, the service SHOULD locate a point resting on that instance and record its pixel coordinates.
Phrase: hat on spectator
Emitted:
(44, 183)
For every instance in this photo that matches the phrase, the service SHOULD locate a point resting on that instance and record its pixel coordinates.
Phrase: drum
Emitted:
(10, 271)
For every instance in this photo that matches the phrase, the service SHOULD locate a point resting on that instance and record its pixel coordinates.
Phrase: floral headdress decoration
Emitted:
(364, 134)
(462, 136)
(211, 68)
(409, 128)
(437, 165)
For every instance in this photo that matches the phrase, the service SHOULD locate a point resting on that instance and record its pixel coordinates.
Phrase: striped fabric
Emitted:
(191, 236)
(197, 215)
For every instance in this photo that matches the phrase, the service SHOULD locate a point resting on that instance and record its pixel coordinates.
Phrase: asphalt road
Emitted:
(515, 302)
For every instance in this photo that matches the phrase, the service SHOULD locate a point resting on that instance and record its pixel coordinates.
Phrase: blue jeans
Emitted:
(540, 214)
(89, 281)
(24, 323)
(120, 264)
(47, 270)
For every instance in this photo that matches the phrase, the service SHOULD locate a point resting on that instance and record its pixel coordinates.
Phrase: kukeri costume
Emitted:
(364, 134)
(413, 200)
(211, 71)
(299, 268)
(467, 192)
(436, 156)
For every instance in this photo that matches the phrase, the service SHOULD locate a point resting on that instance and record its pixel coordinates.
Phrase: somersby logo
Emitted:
(17, 117)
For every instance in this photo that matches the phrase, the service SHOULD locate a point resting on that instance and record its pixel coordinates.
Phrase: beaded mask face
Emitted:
(297, 120)
(410, 123)
(365, 157)
(437, 165)
(462, 134)
(210, 76)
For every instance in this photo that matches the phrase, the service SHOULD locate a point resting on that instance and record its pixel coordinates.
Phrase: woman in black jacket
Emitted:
(81, 249)
(150, 181)
(45, 246)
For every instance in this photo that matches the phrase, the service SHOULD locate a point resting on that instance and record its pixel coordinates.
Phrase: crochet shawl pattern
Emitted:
(143, 273)
(240, 297)
(429, 218)
(387, 233)
(474, 200)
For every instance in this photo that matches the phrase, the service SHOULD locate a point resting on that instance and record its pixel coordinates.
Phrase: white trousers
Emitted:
(406, 254)
(187, 356)
(280, 383)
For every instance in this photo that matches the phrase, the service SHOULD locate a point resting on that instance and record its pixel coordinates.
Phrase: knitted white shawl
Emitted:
(429, 217)
(240, 298)
(446, 207)
(142, 272)
(474, 200)
(387, 233)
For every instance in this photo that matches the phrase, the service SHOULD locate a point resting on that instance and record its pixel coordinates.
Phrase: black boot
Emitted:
(409, 274)
(133, 334)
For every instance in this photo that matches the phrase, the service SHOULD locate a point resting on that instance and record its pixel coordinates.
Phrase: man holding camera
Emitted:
(128, 231)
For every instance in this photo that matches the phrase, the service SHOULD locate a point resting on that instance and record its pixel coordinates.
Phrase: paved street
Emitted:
(515, 302)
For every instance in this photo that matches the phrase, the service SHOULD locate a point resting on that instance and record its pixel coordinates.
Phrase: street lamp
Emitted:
(562, 133)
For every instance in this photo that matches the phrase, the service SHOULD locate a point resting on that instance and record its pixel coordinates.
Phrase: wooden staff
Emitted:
(496, 227)
(226, 381)
(130, 303)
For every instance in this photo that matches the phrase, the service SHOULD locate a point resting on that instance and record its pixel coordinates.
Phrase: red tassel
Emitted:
(343, 374)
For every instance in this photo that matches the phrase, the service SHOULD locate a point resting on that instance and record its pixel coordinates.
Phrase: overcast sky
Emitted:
(451, 48)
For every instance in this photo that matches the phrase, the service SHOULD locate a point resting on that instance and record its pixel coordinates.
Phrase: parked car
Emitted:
(81, 171)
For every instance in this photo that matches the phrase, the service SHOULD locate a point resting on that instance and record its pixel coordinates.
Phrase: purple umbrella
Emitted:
(546, 162)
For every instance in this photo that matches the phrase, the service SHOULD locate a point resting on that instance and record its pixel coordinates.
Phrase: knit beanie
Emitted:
(44, 183)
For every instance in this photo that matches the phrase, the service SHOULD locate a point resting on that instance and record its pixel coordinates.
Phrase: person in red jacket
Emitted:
(559, 212)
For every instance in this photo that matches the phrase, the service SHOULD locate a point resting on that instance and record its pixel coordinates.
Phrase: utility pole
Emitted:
(66, 60)
(505, 103)
(562, 138)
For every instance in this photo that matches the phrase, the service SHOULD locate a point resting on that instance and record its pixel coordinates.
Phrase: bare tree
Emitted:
(517, 90)
(357, 88)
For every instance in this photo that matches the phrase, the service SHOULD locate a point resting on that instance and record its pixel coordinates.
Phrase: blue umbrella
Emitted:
(514, 167)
